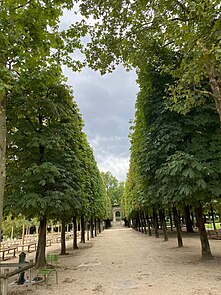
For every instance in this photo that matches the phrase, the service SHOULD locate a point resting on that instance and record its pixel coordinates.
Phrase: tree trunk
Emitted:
(141, 222)
(213, 219)
(40, 253)
(148, 223)
(99, 226)
(92, 228)
(177, 224)
(82, 229)
(205, 247)
(63, 243)
(171, 220)
(75, 227)
(140, 227)
(163, 224)
(144, 222)
(155, 222)
(88, 230)
(2, 155)
(95, 227)
(189, 223)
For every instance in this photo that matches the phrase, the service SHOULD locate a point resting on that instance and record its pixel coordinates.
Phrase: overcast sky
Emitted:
(107, 105)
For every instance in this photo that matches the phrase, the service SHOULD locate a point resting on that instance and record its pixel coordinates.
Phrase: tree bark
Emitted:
(171, 220)
(205, 247)
(213, 219)
(2, 155)
(88, 230)
(99, 226)
(63, 243)
(92, 228)
(82, 229)
(75, 227)
(40, 253)
(138, 223)
(95, 227)
(144, 222)
(141, 222)
(189, 223)
(163, 224)
(177, 224)
(148, 224)
(155, 222)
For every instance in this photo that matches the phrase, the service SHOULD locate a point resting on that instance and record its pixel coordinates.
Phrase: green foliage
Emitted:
(58, 175)
(44, 128)
(114, 188)
(124, 31)
(17, 224)
(174, 158)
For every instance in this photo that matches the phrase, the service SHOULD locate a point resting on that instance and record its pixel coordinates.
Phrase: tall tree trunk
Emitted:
(189, 223)
(163, 224)
(148, 223)
(138, 223)
(99, 226)
(95, 227)
(82, 229)
(75, 227)
(92, 228)
(3, 133)
(40, 253)
(205, 247)
(213, 219)
(144, 222)
(88, 230)
(141, 222)
(63, 243)
(155, 222)
(178, 228)
(2, 155)
(171, 220)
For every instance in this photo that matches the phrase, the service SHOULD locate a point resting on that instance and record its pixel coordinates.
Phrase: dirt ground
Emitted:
(124, 261)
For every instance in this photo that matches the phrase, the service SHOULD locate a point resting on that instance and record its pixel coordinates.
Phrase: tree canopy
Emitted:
(124, 31)
(175, 158)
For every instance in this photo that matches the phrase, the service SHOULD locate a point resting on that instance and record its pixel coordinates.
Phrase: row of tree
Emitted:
(175, 48)
(51, 169)
(175, 158)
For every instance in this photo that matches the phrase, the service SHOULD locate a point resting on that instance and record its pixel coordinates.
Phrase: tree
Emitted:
(114, 188)
(44, 130)
(123, 30)
(30, 37)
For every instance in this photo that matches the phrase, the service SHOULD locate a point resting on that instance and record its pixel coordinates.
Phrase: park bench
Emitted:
(214, 234)
(28, 246)
(48, 242)
(8, 250)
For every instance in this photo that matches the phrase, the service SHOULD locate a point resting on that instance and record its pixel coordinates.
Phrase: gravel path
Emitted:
(123, 261)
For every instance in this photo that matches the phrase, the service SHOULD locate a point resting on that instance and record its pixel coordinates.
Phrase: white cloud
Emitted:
(117, 165)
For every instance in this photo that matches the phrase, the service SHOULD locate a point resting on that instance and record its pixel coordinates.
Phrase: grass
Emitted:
(210, 225)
